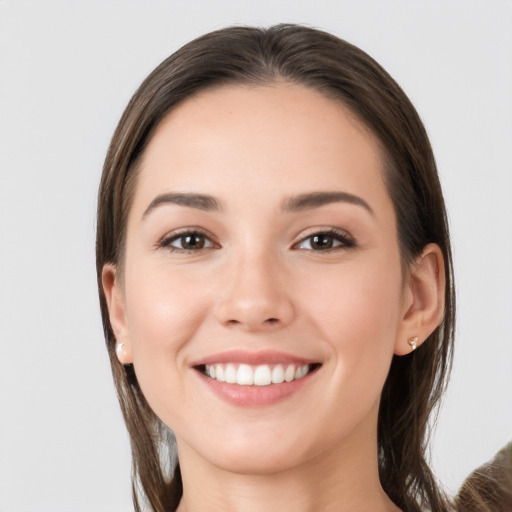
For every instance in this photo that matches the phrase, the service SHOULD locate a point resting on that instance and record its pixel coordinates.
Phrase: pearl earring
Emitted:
(119, 351)
(413, 343)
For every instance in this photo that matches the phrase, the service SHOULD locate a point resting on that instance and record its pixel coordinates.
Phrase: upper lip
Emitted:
(252, 358)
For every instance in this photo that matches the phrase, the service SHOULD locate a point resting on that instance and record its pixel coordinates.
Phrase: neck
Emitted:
(343, 480)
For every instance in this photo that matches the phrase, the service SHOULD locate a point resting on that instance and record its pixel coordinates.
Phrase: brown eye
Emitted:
(189, 241)
(194, 241)
(322, 241)
(325, 241)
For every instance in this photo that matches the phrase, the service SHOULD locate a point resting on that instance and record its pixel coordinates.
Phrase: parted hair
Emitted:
(343, 72)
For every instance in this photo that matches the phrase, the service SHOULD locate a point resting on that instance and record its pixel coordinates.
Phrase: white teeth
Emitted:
(245, 375)
(301, 371)
(278, 374)
(230, 374)
(219, 373)
(261, 375)
(289, 374)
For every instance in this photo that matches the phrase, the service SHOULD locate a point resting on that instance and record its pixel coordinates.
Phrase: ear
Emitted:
(117, 312)
(423, 300)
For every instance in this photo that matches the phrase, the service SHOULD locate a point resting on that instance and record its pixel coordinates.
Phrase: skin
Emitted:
(259, 284)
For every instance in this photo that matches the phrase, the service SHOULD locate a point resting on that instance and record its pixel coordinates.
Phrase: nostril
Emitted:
(267, 321)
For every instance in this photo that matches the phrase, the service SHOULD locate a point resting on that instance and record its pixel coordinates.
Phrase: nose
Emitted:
(254, 295)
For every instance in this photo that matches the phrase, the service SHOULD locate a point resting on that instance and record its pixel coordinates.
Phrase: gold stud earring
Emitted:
(413, 342)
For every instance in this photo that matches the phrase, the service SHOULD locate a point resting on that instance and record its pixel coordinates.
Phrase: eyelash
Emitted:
(344, 239)
(167, 241)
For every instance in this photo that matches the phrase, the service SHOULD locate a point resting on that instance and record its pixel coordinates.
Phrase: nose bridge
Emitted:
(254, 295)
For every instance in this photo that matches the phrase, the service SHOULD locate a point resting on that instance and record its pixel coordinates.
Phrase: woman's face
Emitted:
(261, 245)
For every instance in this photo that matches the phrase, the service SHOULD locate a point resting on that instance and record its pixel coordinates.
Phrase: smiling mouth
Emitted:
(257, 375)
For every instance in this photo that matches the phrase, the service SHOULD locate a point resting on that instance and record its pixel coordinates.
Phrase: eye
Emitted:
(325, 241)
(187, 241)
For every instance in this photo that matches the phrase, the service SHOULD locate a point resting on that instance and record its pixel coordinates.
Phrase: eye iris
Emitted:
(321, 241)
(193, 241)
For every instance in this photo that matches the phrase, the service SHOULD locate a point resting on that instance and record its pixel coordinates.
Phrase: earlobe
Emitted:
(117, 313)
(424, 300)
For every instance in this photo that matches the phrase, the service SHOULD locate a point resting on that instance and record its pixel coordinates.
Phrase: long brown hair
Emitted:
(245, 55)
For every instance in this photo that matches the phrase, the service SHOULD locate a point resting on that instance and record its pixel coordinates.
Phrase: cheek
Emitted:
(357, 310)
(356, 298)
(164, 311)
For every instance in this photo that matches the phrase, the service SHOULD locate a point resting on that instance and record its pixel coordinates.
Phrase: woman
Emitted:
(275, 277)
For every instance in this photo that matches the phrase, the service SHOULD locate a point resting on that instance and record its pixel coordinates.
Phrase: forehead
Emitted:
(240, 138)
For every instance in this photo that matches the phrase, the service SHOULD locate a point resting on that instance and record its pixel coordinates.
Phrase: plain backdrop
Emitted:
(68, 68)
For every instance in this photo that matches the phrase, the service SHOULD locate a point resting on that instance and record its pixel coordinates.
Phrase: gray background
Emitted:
(68, 68)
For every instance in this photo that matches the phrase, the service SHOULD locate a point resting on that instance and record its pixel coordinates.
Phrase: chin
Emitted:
(249, 452)
(259, 460)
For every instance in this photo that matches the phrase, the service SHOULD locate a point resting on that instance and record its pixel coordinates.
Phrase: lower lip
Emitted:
(255, 396)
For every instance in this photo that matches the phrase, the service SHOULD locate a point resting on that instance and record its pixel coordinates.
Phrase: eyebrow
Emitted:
(198, 201)
(291, 205)
(318, 199)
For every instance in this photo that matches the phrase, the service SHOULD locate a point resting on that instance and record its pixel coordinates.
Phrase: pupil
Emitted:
(192, 242)
(322, 241)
